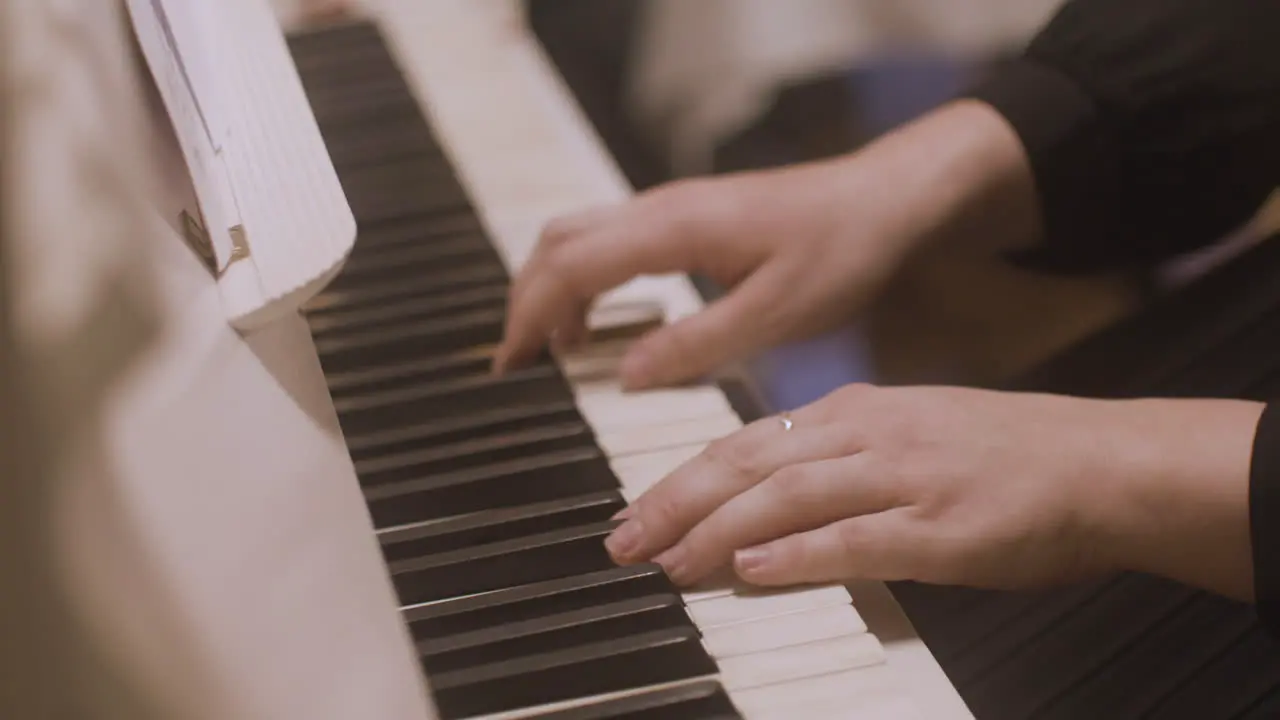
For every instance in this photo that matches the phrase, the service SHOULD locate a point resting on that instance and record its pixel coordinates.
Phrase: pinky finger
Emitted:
(870, 547)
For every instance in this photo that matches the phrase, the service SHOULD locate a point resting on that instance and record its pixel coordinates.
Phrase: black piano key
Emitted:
(700, 700)
(435, 284)
(536, 600)
(348, 108)
(474, 453)
(563, 630)
(395, 140)
(407, 174)
(522, 482)
(460, 251)
(410, 310)
(378, 201)
(545, 556)
(351, 91)
(417, 403)
(321, 72)
(580, 672)
(1169, 656)
(402, 269)
(486, 424)
(337, 39)
(399, 132)
(374, 238)
(499, 525)
(378, 376)
(414, 340)
(318, 52)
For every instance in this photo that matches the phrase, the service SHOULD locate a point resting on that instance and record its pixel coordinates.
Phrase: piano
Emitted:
(261, 490)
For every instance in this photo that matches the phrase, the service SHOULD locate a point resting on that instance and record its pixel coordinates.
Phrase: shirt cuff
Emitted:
(1264, 517)
(1075, 159)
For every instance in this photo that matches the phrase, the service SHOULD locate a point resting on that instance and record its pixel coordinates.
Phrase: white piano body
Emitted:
(192, 541)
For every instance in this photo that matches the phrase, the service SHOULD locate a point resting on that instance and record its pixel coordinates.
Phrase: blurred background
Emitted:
(679, 88)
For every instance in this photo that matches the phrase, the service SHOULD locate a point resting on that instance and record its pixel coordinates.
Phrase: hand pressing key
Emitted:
(802, 249)
(959, 486)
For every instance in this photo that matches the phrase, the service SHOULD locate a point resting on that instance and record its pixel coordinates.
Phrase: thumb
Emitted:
(728, 329)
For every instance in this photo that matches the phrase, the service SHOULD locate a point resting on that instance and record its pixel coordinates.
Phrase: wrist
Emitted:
(959, 172)
(1171, 491)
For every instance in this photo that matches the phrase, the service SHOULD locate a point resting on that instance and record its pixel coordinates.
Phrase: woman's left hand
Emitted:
(959, 486)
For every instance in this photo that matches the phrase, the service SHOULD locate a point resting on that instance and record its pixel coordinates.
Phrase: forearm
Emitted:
(1174, 491)
(957, 172)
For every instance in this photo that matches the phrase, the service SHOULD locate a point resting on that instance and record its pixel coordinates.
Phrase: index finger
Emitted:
(660, 517)
(566, 274)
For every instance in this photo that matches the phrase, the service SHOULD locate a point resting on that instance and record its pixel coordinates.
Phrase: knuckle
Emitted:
(706, 539)
(857, 392)
(554, 235)
(660, 509)
(850, 442)
(854, 540)
(740, 459)
(673, 347)
(564, 227)
(560, 261)
(684, 203)
(792, 485)
(563, 268)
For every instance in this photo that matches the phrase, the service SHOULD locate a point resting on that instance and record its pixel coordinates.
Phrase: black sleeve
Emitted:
(1152, 126)
(1264, 517)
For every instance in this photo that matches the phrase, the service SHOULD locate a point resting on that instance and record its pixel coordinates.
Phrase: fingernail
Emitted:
(675, 563)
(750, 560)
(625, 513)
(624, 541)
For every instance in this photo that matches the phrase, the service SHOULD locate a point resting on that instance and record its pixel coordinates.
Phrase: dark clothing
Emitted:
(1153, 129)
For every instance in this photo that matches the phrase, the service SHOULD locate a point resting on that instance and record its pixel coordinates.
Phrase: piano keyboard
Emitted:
(491, 496)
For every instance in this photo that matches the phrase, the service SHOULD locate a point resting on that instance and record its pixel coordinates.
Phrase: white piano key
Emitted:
(868, 692)
(746, 608)
(592, 366)
(721, 583)
(779, 632)
(638, 473)
(680, 433)
(676, 294)
(628, 314)
(796, 662)
(608, 407)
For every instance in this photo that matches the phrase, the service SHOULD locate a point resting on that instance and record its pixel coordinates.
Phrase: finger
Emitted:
(668, 510)
(730, 328)
(795, 499)
(883, 546)
(558, 288)
(556, 232)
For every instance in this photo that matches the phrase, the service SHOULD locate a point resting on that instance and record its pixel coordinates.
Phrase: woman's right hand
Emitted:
(801, 249)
